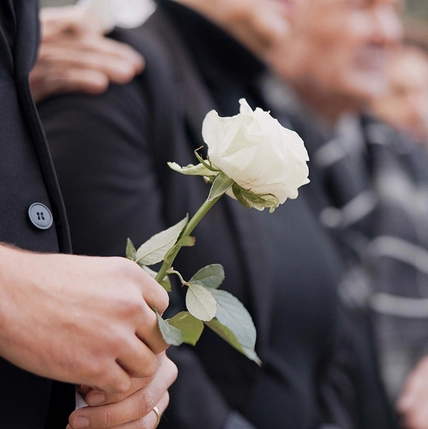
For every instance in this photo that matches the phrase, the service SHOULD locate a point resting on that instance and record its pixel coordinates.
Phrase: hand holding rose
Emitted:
(133, 407)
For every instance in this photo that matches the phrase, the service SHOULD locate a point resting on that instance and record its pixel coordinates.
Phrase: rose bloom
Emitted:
(257, 152)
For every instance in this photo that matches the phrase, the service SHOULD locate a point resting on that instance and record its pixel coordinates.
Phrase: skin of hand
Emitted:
(78, 319)
(75, 56)
(133, 409)
(412, 403)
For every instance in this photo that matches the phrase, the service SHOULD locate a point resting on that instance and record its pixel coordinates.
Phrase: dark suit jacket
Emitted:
(26, 177)
(110, 152)
(373, 408)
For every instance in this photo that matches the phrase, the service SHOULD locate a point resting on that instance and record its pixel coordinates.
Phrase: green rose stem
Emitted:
(191, 225)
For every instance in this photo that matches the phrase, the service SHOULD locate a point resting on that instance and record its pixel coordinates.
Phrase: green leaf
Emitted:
(155, 249)
(200, 302)
(234, 316)
(237, 191)
(227, 335)
(210, 276)
(165, 282)
(220, 185)
(190, 326)
(130, 250)
(232, 313)
(171, 334)
(192, 170)
(206, 163)
(188, 241)
(258, 201)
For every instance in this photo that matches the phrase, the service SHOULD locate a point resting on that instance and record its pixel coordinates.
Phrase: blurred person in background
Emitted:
(405, 104)
(375, 183)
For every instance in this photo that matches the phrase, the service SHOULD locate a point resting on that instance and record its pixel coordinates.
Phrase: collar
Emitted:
(224, 61)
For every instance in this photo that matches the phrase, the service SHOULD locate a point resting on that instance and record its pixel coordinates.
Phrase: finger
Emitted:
(154, 294)
(149, 421)
(166, 369)
(96, 397)
(110, 378)
(138, 360)
(120, 51)
(118, 68)
(150, 335)
(152, 419)
(147, 334)
(135, 407)
(84, 81)
(106, 52)
(83, 390)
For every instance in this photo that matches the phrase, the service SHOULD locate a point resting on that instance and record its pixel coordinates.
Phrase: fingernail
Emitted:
(80, 422)
(96, 398)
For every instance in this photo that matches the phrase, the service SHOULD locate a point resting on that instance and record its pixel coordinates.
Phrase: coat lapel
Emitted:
(26, 51)
(6, 57)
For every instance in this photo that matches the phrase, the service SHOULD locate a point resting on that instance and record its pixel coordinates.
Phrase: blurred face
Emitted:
(405, 105)
(341, 47)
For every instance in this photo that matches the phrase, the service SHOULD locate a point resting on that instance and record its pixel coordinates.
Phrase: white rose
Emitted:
(258, 154)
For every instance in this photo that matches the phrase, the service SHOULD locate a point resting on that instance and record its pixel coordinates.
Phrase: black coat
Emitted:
(26, 177)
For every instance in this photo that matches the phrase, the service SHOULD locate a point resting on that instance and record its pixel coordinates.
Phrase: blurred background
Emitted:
(415, 8)
(418, 8)
(416, 18)
(415, 15)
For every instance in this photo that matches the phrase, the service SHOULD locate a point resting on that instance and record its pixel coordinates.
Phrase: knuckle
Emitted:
(110, 418)
(150, 367)
(122, 266)
(173, 371)
(117, 385)
(131, 306)
(122, 385)
(146, 403)
(170, 369)
(95, 370)
(163, 300)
